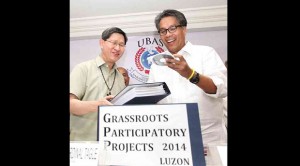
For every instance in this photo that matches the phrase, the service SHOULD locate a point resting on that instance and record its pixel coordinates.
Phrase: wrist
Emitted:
(195, 78)
(192, 74)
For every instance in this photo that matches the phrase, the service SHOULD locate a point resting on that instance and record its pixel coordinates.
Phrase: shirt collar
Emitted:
(100, 62)
(186, 50)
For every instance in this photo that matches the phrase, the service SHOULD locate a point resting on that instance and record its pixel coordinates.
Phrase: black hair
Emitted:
(171, 12)
(109, 31)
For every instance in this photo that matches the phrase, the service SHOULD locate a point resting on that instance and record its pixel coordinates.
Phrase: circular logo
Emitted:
(142, 58)
(146, 48)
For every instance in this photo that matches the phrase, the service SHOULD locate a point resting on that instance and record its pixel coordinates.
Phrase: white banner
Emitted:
(150, 135)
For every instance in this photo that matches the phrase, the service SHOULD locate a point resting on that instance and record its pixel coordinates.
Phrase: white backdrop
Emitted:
(139, 48)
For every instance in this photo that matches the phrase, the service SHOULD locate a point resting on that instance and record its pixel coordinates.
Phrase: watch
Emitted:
(195, 79)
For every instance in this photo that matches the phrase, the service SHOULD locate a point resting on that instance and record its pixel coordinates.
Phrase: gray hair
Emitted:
(171, 12)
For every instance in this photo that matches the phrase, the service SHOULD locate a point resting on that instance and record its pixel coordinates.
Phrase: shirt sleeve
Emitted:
(78, 81)
(214, 68)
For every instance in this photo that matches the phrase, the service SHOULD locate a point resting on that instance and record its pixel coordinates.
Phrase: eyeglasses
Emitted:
(115, 43)
(171, 29)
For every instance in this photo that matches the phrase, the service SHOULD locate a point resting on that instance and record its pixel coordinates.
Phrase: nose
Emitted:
(117, 47)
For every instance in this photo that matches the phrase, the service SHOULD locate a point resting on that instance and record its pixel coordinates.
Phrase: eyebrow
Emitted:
(115, 41)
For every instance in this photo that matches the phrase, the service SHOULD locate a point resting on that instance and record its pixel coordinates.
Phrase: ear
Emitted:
(101, 43)
(184, 30)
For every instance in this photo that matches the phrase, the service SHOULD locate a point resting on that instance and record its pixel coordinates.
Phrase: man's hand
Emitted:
(180, 65)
